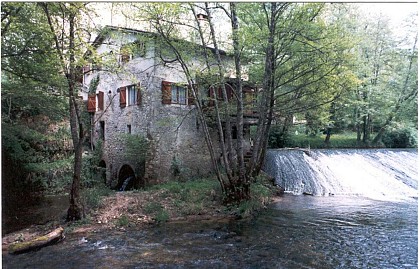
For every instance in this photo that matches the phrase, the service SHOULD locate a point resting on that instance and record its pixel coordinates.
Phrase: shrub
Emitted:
(93, 196)
(400, 138)
(123, 221)
(277, 138)
(159, 212)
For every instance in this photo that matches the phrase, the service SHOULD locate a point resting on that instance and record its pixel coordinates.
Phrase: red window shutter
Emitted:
(229, 91)
(100, 100)
(191, 95)
(138, 94)
(211, 96)
(220, 93)
(166, 92)
(91, 103)
(123, 101)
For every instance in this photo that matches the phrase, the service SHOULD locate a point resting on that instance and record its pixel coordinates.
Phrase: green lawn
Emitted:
(343, 140)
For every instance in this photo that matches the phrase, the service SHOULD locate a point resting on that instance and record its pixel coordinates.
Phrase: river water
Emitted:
(297, 231)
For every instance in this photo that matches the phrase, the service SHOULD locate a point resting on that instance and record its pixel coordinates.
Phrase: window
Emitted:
(214, 93)
(129, 128)
(125, 54)
(132, 50)
(100, 100)
(176, 94)
(102, 130)
(139, 49)
(130, 95)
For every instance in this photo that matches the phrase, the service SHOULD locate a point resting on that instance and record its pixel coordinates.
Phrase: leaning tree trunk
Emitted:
(38, 242)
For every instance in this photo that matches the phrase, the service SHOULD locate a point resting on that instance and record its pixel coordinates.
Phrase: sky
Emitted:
(396, 11)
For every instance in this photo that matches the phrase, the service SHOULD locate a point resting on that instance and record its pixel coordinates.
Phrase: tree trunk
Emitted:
(75, 211)
(242, 177)
(267, 100)
(39, 242)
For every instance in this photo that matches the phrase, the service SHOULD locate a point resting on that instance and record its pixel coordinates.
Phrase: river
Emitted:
(297, 231)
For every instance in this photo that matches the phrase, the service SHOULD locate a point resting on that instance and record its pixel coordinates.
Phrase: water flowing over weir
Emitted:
(383, 174)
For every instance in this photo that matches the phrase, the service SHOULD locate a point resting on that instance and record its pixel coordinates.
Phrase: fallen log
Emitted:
(38, 242)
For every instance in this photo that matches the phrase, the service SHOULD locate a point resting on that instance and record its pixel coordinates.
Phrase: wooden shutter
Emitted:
(166, 92)
(100, 100)
(211, 96)
(229, 91)
(123, 100)
(191, 95)
(219, 93)
(91, 103)
(138, 101)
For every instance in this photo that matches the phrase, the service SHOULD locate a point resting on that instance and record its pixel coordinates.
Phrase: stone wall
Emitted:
(175, 135)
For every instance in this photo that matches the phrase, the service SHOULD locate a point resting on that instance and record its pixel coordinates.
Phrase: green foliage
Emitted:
(94, 84)
(123, 221)
(93, 197)
(337, 140)
(91, 173)
(176, 166)
(261, 193)
(191, 196)
(136, 147)
(159, 212)
(404, 137)
(277, 137)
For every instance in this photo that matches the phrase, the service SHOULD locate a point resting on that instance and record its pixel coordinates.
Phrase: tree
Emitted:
(66, 31)
(32, 102)
(307, 57)
(405, 84)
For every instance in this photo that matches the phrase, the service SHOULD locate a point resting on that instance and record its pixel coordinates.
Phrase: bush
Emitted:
(400, 138)
(93, 197)
(159, 212)
(277, 138)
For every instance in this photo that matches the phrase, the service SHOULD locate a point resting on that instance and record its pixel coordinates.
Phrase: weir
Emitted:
(383, 174)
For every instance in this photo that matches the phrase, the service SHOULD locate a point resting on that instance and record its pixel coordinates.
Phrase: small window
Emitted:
(125, 54)
(100, 96)
(234, 132)
(132, 50)
(139, 49)
(178, 95)
(129, 128)
(102, 130)
(132, 95)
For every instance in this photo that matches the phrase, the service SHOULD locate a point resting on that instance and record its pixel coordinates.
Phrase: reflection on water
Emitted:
(49, 208)
(295, 232)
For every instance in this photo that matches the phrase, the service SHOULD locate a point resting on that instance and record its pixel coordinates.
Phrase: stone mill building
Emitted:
(139, 93)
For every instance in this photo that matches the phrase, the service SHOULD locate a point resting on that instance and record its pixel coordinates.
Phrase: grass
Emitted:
(190, 197)
(158, 211)
(261, 193)
(93, 196)
(342, 140)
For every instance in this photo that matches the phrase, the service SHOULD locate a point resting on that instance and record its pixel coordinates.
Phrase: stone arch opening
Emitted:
(126, 178)
(102, 171)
